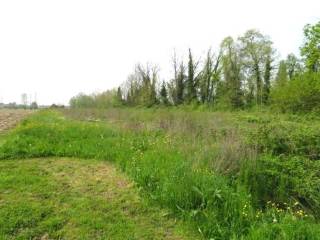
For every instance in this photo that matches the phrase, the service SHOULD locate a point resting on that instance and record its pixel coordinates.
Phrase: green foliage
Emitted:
(106, 99)
(311, 47)
(256, 51)
(287, 228)
(289, 153)
(289, 138)
(284, 180)
(239, 76)
(209, 78)
(282, 75)
(140, 88)
(164, 94)
(232, 72)
(302, 94)
(293, 66)
(267, 80)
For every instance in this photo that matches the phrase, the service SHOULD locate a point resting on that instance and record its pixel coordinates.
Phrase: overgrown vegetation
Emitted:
(231, 175)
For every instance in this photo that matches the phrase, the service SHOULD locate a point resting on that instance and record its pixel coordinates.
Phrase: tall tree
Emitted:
(209, 78)
(311, 47)
(164, 94)
(267, 78)
(293, 65)
(232, 71)
(181, 76)
(176, 86)
(191, 82)
(140, 88)
(119, 95)
(256, 49)
(282, 74)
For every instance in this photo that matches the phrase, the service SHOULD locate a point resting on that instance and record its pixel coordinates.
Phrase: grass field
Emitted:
(60, 198)
(235, 175)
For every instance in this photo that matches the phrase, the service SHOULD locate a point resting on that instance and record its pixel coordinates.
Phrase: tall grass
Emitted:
(211, 169)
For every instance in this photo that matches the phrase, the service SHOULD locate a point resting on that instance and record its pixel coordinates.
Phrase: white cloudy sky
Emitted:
(59, 48)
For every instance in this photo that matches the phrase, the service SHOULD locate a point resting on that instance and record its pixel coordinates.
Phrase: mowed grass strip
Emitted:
(62, 198)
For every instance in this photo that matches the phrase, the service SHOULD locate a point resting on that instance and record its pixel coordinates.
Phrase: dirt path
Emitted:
(77, 199)
(9, 118)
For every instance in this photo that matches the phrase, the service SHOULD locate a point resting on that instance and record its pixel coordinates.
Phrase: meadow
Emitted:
(200, 174)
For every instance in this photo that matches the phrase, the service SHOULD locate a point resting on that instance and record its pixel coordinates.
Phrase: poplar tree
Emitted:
(267, 78)
(232, 72)
(282, 75)
(191, 83)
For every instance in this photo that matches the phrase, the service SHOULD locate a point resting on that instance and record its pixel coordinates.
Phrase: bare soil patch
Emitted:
(9, 118)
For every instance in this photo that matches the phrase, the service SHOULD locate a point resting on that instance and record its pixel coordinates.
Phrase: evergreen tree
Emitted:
(191, 85)
(119, 95)
(164, 94)
(180, 84)
(282, 75)
(267, 77)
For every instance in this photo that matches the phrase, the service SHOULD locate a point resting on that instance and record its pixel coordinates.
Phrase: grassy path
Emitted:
(60, 198)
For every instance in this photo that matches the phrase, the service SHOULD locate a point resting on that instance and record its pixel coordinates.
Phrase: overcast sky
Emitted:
(59, 48)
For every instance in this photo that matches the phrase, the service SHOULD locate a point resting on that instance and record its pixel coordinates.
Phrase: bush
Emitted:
(287, 138)
(284, 180)
(301, 94)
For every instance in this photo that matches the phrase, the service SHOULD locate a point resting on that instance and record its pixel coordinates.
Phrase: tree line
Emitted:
(242, 73)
